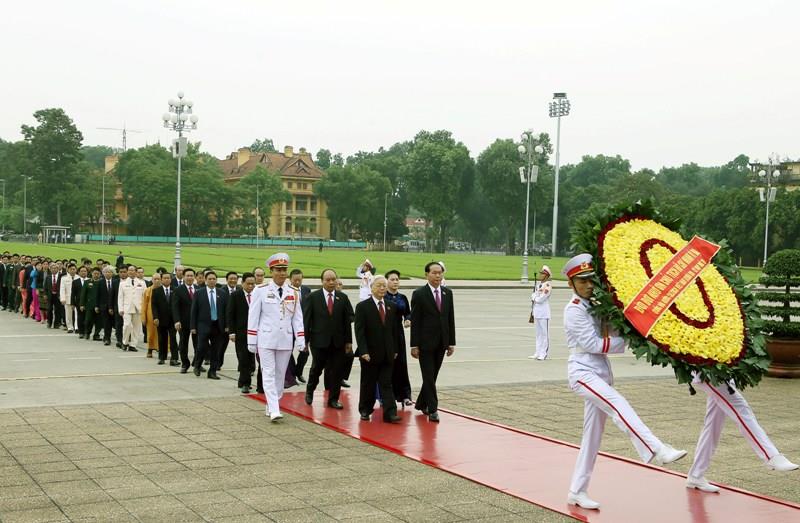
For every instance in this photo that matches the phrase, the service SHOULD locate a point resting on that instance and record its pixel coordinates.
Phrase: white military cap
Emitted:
(279, 259)
(546, 270)
(579, 266)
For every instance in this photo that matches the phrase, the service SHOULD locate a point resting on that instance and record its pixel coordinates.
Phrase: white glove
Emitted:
(252, 348)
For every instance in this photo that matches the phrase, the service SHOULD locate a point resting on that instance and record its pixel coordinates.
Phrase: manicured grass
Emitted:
(461, 266)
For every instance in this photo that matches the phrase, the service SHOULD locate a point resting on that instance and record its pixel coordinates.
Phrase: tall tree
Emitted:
(95, 155)
(434, 174)
(323, 159)
(270, 193)
(263, 146)
(149, 186)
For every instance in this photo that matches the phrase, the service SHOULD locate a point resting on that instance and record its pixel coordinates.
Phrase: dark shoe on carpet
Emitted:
(365, 417)
(309, 398)
(393, 419)
(345, 384)
(434, 417)
(335, 405)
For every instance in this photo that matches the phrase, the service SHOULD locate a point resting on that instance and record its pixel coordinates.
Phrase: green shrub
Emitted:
(782, 270)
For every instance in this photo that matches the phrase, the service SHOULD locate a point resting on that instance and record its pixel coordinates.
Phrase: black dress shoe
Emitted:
(160, 362)
(80, 336)
(96, 338)
(301, 379)
(184, 370)
(434, 417)
(106, 342)
(206, 362)
(335, 405)
(196, 371)
(119, 345)
(393, 419)
(345, 384)
(309, 398)
(365, 417)
(202, 369)
(173, 363)
(131, 348)
(213, 376)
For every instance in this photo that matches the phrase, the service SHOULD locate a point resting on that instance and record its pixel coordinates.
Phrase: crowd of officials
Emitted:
(104, 302)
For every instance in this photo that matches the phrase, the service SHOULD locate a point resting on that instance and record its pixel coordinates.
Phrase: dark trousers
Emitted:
(348, 367)
(247, 360)
(380, 374)
(183, 347)
(108, 324)
(55, 312)
(430, 361)
(331, 360)
(209, 345)
(81, 320)
(92, 322)
(28, 301)
(3, 294)
(167, 339)
(300, 365)
(17, 299)
(118, 326)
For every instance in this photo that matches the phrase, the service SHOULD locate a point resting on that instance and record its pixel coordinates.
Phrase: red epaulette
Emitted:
(576, 301)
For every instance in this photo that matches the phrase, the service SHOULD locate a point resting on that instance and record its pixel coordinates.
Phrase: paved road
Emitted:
(47, 367)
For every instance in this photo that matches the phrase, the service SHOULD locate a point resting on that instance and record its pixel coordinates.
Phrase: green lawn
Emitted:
(459, 266)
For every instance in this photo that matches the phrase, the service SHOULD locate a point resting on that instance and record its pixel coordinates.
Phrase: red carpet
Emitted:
(538, 469)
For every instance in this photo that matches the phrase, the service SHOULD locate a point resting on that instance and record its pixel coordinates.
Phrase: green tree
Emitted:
(435, 176)
(95, 155)
(263, 146)
(205, 195)
(323, 159)
(54, 153)
(149, 186)
(270, 193)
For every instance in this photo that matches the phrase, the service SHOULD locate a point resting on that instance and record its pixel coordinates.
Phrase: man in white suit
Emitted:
(540, 311)
(129, 302)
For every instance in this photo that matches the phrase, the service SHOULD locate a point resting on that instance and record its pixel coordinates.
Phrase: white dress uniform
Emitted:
(274, 328)
(365, 286)
(590, 377)
(719, 405)
(129, 302)
(540, 308)
(65, 296)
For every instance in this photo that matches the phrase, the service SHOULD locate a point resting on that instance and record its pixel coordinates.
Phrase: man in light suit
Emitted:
(129, 304)
(540, 313)
(208, 322)
(274, 328)
(433, 334)
(65, 296)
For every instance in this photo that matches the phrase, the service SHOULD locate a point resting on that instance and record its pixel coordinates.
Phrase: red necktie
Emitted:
(191, 292)
(438, 299)
(330, 304)
(248, 299)
(381, 312)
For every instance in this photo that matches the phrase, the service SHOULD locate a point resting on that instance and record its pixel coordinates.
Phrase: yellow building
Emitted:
(305, 215)
(789, 177)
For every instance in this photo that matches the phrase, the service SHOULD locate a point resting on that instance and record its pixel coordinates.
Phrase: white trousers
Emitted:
(273, 370)
(69, 316)
(131, 329)
(719, 405)
(542, 337)
(600, 401)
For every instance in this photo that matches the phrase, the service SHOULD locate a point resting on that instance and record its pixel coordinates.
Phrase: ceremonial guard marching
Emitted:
(590, 376)
(274, 328)
(540, 313)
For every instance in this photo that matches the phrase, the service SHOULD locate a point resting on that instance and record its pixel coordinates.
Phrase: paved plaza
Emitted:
(89, 433)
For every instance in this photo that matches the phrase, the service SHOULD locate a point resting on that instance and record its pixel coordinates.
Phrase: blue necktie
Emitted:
(213, 302)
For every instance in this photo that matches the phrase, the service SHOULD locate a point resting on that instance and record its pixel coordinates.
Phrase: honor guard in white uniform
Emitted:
(540, 311)
(274, 328)
(366, 273)
(724, 401)
(129, 302)
(590, 377)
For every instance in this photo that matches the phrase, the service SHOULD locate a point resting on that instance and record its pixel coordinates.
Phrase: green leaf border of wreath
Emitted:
(746, 372)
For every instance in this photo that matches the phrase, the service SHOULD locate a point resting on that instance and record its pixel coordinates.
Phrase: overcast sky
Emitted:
(660, 83)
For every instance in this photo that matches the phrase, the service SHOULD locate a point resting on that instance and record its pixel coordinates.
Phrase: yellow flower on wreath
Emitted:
(722, 341)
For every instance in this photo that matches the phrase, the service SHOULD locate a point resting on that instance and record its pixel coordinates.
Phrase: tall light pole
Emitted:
(181, 120)
(768, 174)
(25, 204)
(4, 204)
(385, 201)
(258, 221)
(103, 214)
(527, 174)
(558, 107)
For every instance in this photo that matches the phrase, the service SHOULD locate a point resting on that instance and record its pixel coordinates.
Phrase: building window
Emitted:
(289, 185)
(288, 225)
(312, 205)
(312, 226)
(300, 204)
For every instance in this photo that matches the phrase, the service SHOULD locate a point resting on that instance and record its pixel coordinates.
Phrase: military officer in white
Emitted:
(274, 328)
(590, 377)
(129, 302)
(366, 273)
(724, 401)
(540, 312)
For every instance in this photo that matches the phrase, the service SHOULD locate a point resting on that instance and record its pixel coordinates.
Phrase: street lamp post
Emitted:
(258, 221)
(4, 204)
(103, 214)
(558, 107)
(527, 173)
(25, 204)
(181, 120)
(767, 175)
(385, 201)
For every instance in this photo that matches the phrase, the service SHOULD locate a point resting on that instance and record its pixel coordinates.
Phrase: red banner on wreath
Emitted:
(668, 284)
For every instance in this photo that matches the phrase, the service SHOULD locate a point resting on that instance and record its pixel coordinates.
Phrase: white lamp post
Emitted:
(181, 120)
(767, 175)
(4, 203)
(558, 107)
(25, 204)
(527, 173)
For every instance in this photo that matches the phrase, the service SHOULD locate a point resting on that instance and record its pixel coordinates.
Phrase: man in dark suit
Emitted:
(238, 308)
(77, 287)
(296, 280)
(160, 304)
(181, 305)
(327, 317)
(52, 283)
(120, 260)
(106, 301)
(208, 322)
(433, 333)
(3, 262)
(376, 336)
